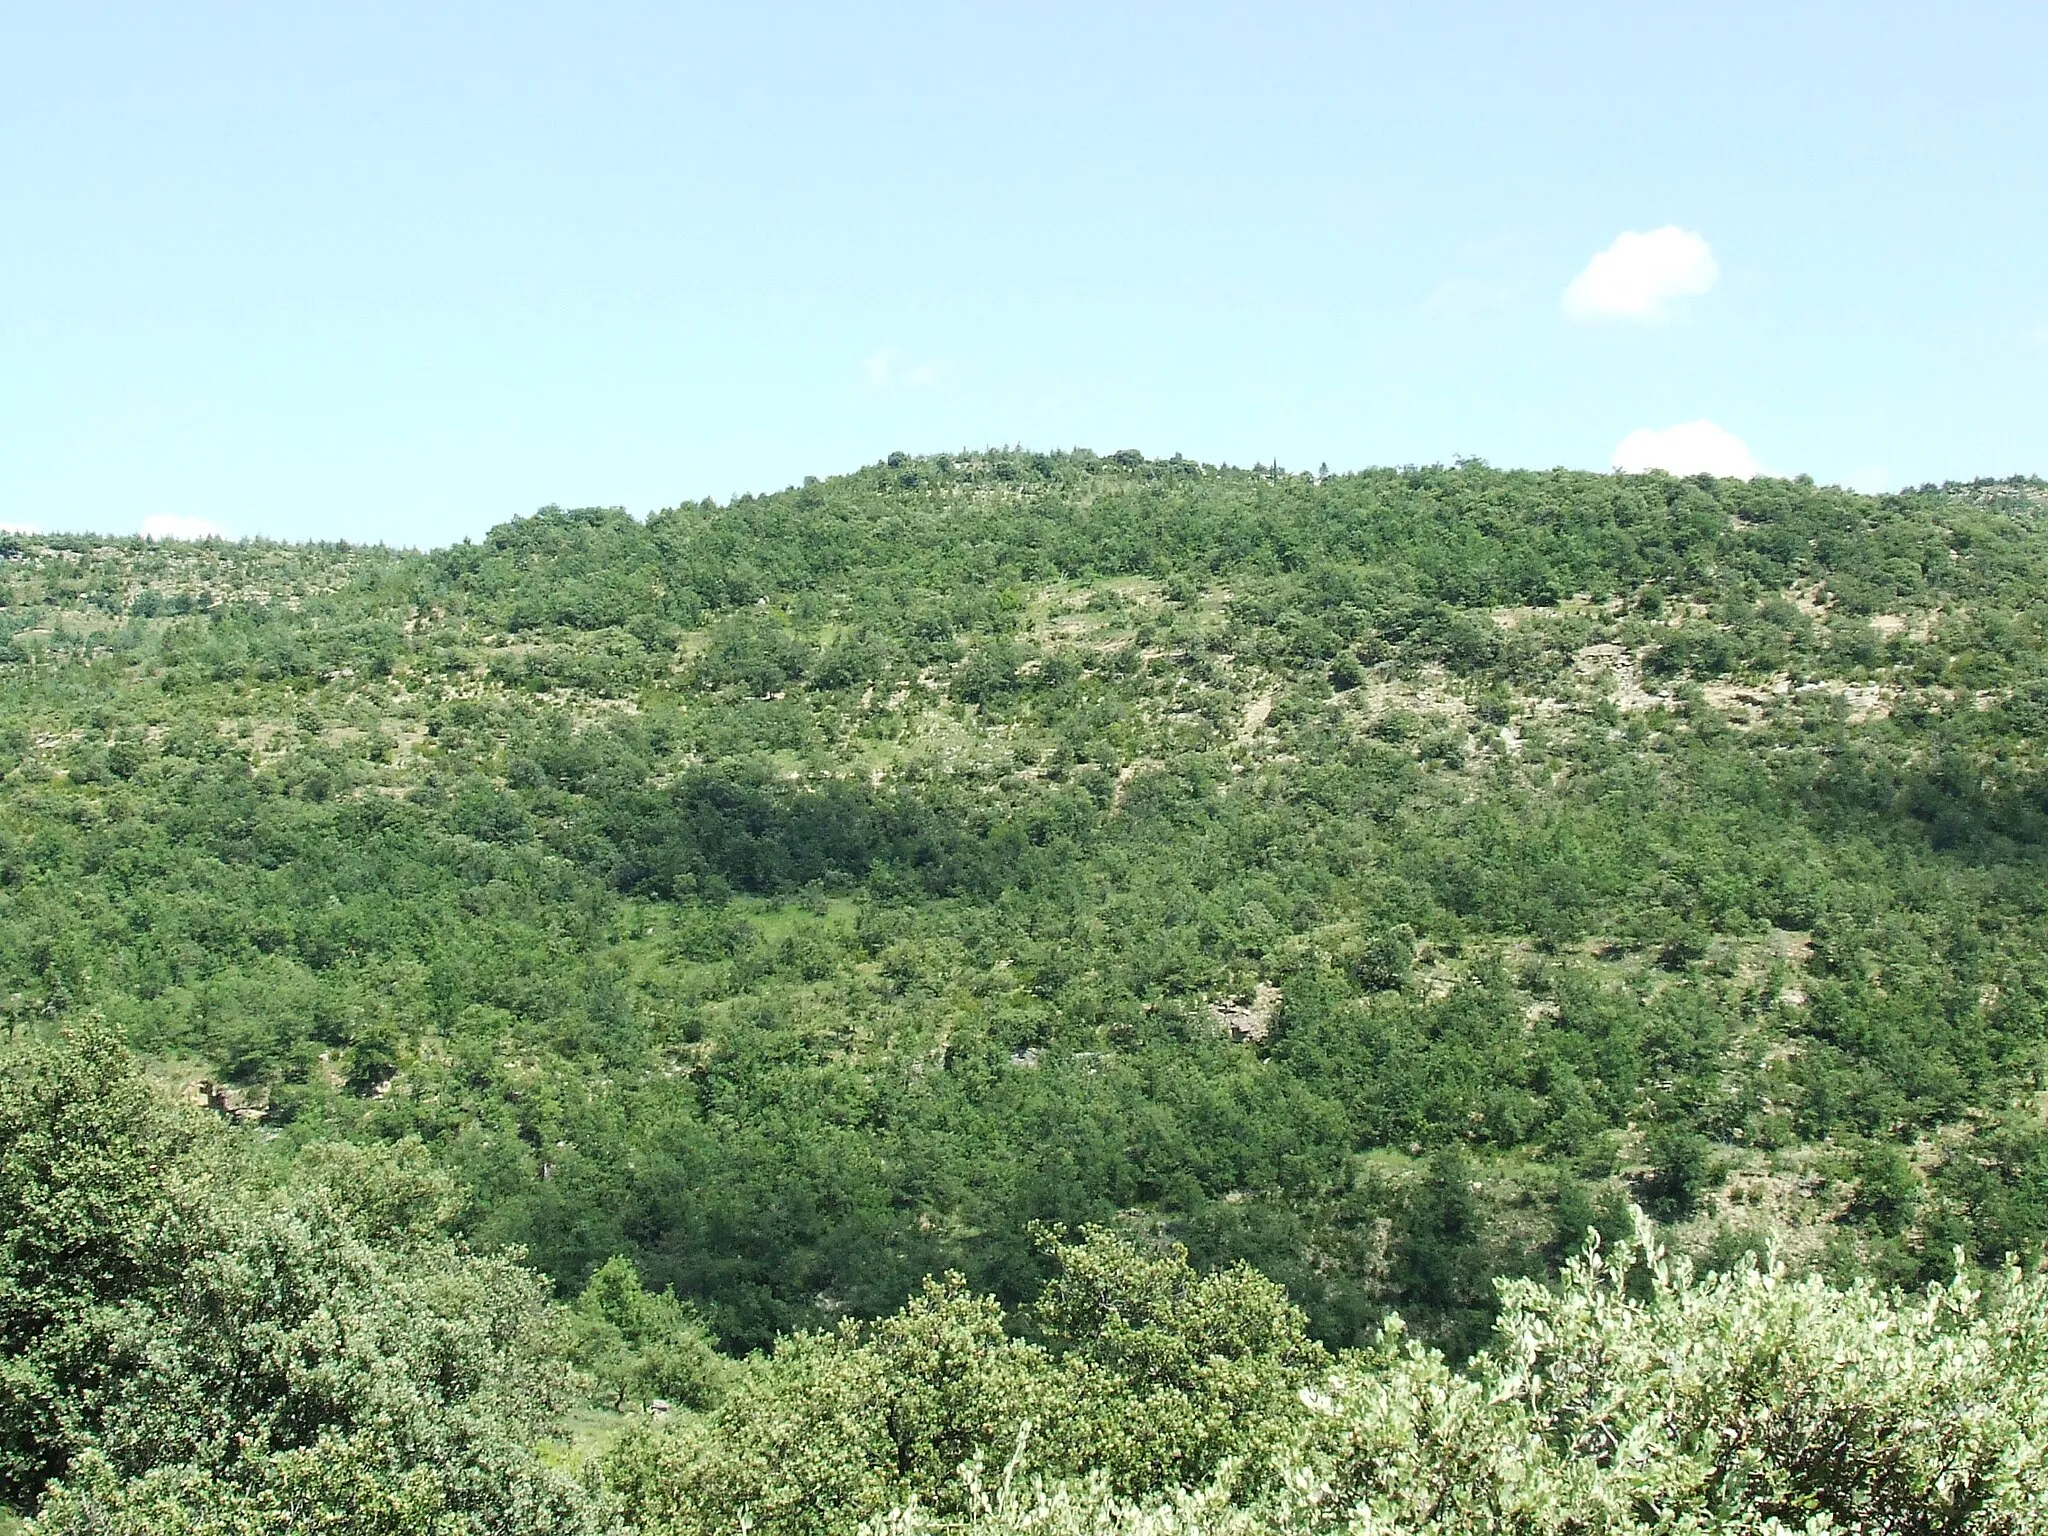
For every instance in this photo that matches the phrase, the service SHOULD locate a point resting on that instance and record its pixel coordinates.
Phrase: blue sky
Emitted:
(400, 272)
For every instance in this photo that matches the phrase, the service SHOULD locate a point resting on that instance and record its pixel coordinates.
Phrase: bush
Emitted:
(1143, 1373)
(1638, 1397)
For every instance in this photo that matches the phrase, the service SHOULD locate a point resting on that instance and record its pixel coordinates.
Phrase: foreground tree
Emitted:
(177, 1335)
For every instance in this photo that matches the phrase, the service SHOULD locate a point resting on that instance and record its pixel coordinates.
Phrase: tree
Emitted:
(643, 1345)
(180, 1330)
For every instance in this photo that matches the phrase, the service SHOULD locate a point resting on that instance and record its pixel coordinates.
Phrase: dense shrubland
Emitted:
(1366, 882)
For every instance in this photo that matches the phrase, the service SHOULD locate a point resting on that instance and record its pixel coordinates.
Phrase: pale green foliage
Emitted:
(1751, 1396)
(388, 1193)
(1149, 1374)
(468, 1481)
(1640, 1398)
(832, 1428)
(642, 1345)
(1084, 1507)
(1168, 1373)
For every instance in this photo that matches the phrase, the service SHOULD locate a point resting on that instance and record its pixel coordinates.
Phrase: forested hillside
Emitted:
(1367, 882)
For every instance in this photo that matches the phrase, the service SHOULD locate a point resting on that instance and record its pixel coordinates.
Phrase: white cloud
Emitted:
(1690, 448)
(19, 528)
(1641, 275)
(886, 369)
(1871, 480)
(168, 525)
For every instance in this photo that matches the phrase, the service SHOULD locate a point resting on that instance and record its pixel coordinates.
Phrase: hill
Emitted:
(1365, 882)
(1373, 877)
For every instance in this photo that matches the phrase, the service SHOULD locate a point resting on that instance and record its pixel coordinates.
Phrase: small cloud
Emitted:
(1641, 275)
(1871, 480)
(168, 525)
(1690, 448)
(2038, 337)
(19, 528)
(886, 369)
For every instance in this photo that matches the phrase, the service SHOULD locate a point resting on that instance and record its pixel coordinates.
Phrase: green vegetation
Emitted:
(562, 965)
(183, 1333)
(201, 1341)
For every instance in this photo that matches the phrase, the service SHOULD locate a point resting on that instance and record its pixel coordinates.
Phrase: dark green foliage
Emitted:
(1682, 1168)
(1887, 1191)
